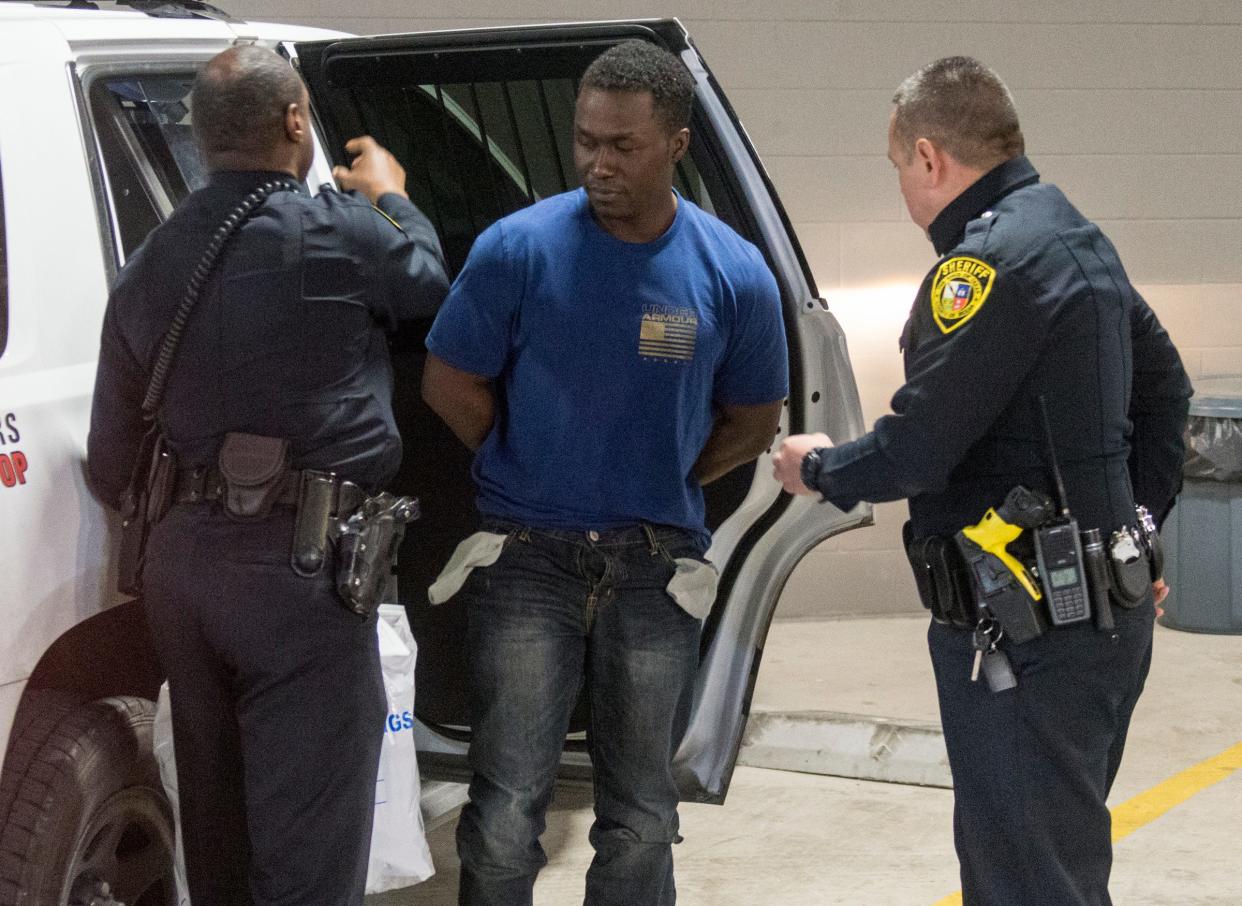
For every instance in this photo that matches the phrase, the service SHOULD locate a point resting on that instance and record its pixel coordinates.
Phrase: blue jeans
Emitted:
(557, 610)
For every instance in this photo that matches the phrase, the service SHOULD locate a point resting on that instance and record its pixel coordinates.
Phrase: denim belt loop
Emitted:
(655, 546)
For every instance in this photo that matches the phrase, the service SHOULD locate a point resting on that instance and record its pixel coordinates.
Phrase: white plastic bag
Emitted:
(399, 853)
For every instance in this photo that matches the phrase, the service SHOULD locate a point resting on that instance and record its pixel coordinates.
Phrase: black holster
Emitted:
(366, 550)
(997, 592)
(146, 500)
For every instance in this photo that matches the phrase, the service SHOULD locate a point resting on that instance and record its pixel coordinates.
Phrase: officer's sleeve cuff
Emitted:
(817, 467)
(395, 206)
(812, 462)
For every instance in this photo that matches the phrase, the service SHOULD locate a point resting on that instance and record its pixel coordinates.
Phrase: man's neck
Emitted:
(647, 227)
(250, 163)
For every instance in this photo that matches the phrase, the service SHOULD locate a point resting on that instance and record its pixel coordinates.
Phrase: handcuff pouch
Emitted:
(254, 469)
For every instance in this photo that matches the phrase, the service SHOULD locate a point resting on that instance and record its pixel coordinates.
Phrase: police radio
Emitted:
(1058, 551)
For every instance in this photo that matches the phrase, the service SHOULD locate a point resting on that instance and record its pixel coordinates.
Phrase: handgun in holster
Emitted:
(1003, 585)
(365, 532)
(366, 550)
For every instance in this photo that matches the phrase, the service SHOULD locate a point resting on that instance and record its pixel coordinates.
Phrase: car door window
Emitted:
(144, 127)
(476, 148)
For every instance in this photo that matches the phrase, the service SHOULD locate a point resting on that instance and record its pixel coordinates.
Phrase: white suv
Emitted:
(95, 150)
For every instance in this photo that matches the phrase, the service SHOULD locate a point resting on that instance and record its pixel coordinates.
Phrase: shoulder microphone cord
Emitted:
(219, 239)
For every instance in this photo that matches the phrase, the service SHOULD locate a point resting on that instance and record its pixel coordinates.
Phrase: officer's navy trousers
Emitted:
(1032, 766)
(278, 713)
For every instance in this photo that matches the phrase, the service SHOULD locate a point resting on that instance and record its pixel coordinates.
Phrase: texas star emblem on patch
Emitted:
(959, 290)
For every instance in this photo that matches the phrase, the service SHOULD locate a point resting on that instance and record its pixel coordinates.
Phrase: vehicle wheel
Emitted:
(85, 821)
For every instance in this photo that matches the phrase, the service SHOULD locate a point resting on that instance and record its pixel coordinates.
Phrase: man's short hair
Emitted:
(239, 100)
(962, 107)
(641, 66)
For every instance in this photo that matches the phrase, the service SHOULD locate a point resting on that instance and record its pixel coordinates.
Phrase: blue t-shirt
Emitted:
(608, 357)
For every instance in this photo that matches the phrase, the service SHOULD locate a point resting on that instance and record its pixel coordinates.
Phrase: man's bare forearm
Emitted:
(740, 434)
(466, 402)
(469, 417)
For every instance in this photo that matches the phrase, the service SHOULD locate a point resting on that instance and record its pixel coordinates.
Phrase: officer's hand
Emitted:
(787, 461)
(373, 172)
(1161, 591)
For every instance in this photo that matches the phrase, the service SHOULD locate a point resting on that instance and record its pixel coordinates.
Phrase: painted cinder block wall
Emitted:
(1134, 107)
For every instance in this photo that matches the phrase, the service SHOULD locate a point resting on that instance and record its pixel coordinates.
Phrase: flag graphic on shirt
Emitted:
(667, 333)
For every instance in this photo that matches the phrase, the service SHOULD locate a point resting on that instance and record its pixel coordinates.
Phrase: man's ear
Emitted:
(680, 142)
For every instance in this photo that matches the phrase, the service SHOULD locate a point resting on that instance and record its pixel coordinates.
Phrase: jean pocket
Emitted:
(693, 586)
(480, 549)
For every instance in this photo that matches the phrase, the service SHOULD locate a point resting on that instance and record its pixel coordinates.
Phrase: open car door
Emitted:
(482, 122)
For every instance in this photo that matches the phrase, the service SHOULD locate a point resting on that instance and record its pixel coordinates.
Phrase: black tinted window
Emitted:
(476, 150)
(149, 156)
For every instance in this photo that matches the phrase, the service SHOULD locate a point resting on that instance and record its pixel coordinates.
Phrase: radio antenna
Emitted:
(1052, 457)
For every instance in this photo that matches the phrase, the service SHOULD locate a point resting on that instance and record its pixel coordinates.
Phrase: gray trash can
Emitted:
(1203, 535)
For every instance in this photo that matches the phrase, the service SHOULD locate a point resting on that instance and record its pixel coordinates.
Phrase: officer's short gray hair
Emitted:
(239, 100)
(962, 107)
(637, 65)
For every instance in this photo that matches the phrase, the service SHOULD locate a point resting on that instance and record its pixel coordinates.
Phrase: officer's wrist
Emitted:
(391, 198)
(812, 462)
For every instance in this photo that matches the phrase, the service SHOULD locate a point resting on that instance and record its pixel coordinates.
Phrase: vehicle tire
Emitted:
(85, 820)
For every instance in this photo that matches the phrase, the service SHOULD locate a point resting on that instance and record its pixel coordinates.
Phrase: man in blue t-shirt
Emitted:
(606, 352)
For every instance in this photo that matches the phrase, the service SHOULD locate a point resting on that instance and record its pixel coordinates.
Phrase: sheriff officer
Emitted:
(1029, 299)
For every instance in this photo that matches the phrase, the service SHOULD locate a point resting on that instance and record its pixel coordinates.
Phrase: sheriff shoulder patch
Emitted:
(959, 290)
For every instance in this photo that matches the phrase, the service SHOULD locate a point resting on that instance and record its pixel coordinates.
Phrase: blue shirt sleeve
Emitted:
(755, 368)
(473, 329)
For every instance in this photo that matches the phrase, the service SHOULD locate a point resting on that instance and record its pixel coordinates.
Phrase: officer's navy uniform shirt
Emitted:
(288, 338)
(1028, 298)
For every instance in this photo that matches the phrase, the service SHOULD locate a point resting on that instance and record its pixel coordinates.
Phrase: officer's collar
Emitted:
(245, 180)
(947, 230)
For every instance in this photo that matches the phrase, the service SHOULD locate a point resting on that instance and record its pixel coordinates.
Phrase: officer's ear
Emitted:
(295, 123)
(931, 161)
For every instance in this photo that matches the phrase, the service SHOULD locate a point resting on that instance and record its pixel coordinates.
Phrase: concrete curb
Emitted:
(847, 745)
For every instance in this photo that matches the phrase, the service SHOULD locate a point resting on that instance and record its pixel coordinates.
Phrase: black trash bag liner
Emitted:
(1214, 448)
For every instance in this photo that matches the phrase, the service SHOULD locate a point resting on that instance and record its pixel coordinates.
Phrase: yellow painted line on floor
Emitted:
(1146, 807)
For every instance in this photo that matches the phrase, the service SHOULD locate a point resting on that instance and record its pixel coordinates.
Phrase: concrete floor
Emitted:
(807, 840)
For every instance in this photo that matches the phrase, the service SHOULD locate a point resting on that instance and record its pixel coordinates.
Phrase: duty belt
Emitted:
(944, 585)
(205, 483)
